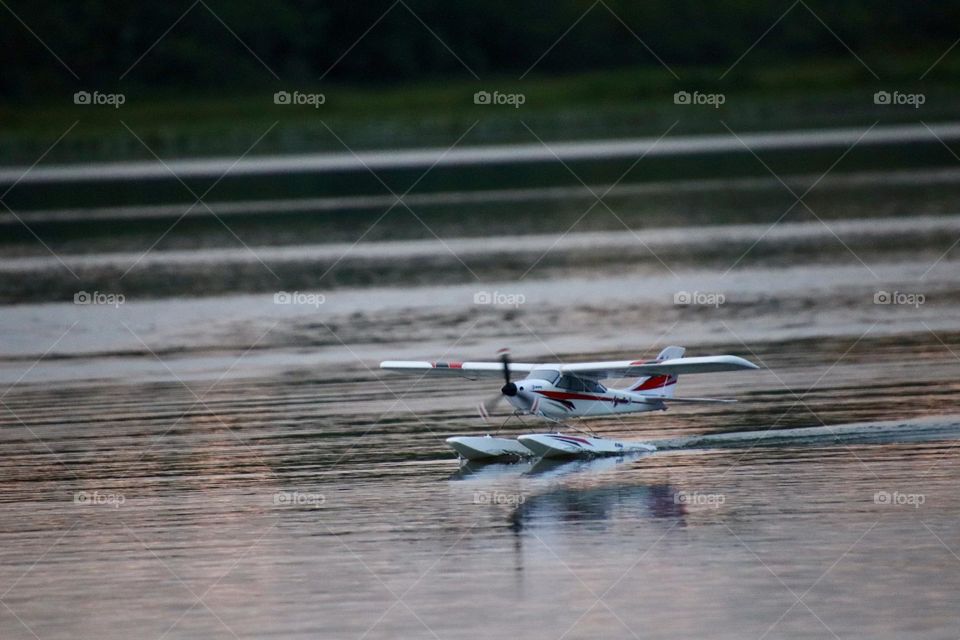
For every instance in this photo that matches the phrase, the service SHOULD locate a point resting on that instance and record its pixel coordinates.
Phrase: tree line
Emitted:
(212, 45)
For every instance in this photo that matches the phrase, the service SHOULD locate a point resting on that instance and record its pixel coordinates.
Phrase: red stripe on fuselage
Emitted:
(565, 395)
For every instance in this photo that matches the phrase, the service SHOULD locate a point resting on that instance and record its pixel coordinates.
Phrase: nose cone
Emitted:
(509, 390)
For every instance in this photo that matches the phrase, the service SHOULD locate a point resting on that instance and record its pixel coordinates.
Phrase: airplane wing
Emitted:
(463, 369)
(675, 366)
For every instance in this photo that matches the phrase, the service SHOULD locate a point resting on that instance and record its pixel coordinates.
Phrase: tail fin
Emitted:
(661, 385)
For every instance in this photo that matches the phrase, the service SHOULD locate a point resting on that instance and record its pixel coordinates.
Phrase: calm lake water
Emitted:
(196, 457)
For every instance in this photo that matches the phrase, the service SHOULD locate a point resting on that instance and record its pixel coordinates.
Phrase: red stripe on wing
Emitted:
(655, 382)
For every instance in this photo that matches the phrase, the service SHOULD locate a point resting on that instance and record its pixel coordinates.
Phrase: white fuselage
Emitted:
(582, 398)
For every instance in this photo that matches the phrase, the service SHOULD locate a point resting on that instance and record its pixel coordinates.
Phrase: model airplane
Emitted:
(557, 392)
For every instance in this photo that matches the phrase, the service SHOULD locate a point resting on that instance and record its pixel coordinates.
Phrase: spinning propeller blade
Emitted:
(505, 359)
(488, 405)
(508, 389)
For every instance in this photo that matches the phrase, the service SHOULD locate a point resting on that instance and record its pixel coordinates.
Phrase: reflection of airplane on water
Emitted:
(542, 467)
(550, 499)
(563, 503)
(596, 505)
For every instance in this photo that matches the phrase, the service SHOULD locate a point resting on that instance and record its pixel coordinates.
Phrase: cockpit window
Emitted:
(573, 383)
(550, 375)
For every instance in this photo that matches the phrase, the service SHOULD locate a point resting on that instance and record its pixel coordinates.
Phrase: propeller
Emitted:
(508, 388)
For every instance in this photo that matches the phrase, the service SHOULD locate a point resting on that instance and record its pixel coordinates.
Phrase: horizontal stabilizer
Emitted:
(701, 400)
